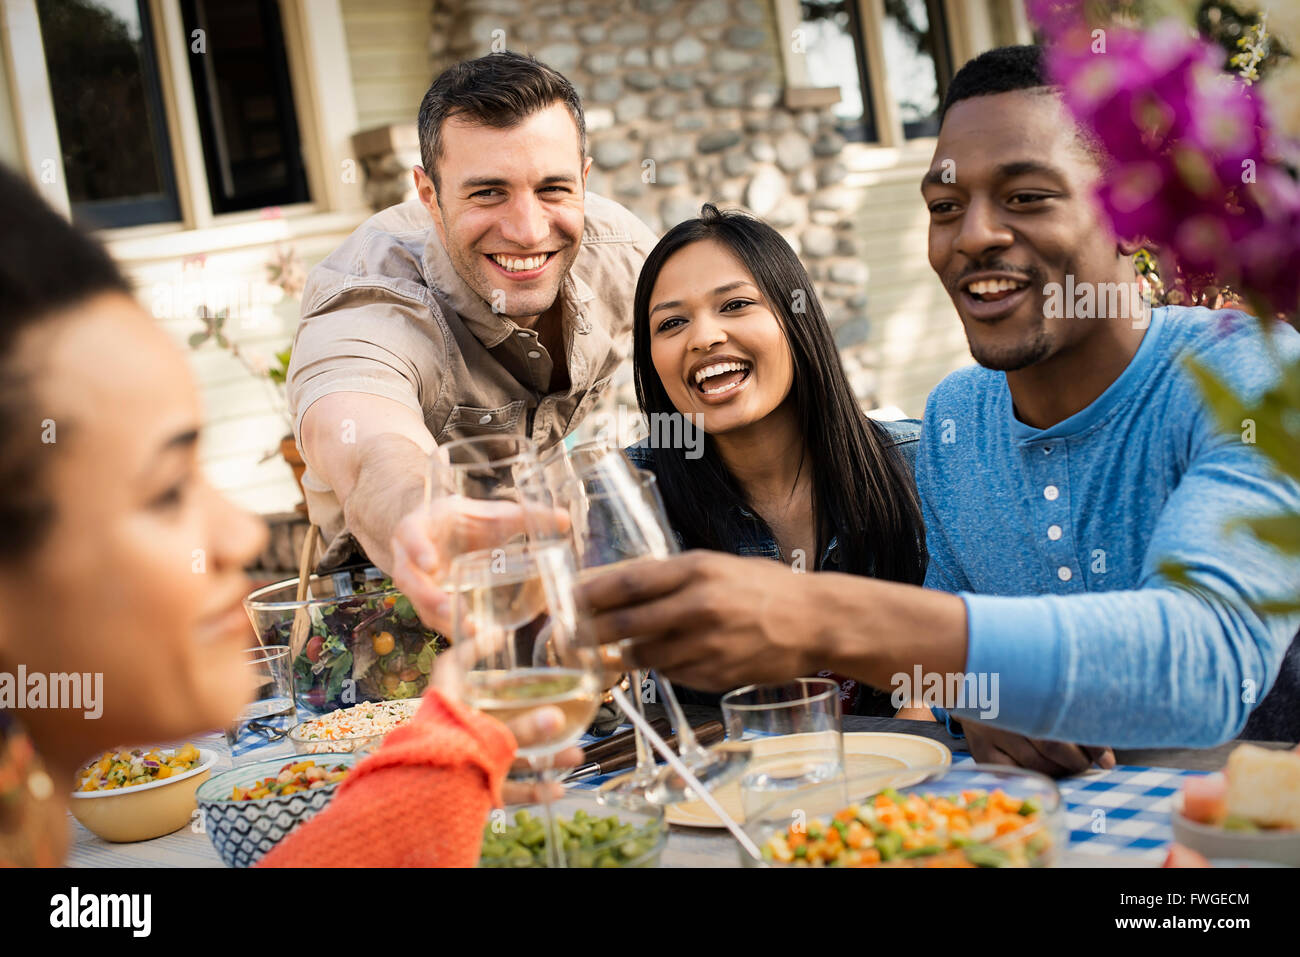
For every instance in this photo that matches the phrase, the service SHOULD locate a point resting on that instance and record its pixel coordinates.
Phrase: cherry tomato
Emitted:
(409, 674)
(391, 682)
(383, 643)
(314, 648)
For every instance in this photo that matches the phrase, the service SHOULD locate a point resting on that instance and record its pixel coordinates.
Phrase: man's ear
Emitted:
(428, 194)
(586, 168)
(424, 188)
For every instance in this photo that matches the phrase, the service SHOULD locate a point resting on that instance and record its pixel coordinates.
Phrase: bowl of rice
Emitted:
(355, 730)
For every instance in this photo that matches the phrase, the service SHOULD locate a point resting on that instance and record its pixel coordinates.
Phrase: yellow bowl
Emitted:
(145, 811)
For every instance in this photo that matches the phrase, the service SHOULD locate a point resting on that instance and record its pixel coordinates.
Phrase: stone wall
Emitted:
(685, 103)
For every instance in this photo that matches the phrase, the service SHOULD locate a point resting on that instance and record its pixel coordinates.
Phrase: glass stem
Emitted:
(645, 762)
(554, 840)
(687, 746)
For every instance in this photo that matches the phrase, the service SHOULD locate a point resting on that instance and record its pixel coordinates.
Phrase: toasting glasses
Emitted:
(617, 515)
(522, 645)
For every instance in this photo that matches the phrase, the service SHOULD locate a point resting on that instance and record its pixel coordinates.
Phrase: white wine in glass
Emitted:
(524, 647)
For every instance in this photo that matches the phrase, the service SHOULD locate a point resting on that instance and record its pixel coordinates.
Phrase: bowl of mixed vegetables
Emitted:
(590, 835)
(969, 815)
(365, 642)
(136, 794)
(249, 810)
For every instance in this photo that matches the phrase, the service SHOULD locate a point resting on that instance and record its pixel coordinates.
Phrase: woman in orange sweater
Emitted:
(106, 517)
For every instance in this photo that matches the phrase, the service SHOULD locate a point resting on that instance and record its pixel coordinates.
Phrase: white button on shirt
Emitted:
(484, 420)
(1064, 573)
(534, 354)
(1054, 532)
(1051, 493)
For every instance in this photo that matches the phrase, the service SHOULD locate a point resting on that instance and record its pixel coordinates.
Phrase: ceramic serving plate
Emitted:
(864, 751)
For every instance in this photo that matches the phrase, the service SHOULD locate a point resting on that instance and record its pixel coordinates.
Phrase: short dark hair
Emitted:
(46, 267)
(1001, 70)
(1006, 70)
(498, 90)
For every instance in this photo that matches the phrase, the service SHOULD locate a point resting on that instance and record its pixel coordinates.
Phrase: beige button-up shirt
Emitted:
(386, 314)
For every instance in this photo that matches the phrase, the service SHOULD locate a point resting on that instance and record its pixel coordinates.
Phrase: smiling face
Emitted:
(1016, 216)
(140, 577)
(717, 346)
(510, 209)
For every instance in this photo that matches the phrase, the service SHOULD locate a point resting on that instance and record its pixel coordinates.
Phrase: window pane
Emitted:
(108, 109)
(832, 45)
(916, 61)
(245, 104)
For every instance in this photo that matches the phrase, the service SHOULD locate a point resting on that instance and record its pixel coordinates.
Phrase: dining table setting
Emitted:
(771, 775)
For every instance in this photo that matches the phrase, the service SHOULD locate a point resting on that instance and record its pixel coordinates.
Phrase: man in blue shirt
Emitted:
(1056, 477)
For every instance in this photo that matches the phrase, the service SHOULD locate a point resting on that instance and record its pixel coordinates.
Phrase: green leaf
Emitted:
(197, 339)
(1280, 531)
(1278, 606)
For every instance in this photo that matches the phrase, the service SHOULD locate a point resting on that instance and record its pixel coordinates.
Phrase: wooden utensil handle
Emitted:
(706, 734)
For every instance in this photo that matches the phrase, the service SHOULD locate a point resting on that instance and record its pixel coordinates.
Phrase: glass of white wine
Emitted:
(523, 645)
(617, 515)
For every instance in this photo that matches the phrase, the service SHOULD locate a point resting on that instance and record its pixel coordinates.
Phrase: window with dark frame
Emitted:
(247, 120)
(917, 67)
(108, 109)
(832, 41)
(102, 61)
(918, 62)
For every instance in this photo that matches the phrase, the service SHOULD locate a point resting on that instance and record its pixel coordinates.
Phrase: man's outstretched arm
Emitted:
(374, 453)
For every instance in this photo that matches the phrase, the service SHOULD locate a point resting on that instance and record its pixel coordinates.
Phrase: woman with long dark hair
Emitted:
(729, 334)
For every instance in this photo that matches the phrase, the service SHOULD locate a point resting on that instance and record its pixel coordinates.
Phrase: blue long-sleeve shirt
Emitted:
(1053, 539)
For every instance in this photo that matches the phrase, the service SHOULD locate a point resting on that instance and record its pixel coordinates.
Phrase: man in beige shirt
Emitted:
(499, 301)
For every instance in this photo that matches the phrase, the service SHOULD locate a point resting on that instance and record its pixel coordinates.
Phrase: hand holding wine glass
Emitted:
(480, 492)
(523, 648)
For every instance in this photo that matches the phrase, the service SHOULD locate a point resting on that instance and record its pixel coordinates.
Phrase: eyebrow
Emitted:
(673, 304)
(478, 182)
(1004, 171)
(180, 442)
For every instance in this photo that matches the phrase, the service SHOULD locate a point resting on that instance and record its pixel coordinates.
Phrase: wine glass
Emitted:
(524, 646)
(617, 515)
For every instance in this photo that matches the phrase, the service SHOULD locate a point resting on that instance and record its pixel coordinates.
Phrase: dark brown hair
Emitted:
(499, 90)
(46, 267)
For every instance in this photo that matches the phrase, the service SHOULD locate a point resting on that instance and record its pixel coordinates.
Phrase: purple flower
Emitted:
(1194, 163)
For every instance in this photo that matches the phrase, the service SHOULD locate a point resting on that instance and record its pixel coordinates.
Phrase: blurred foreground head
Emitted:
(118, 562)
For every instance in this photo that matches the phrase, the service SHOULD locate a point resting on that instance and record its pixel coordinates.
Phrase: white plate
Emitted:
(864, 751)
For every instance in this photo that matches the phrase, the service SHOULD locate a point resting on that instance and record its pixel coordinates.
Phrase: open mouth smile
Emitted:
(992, 297)
(521, 267)
(720, 378)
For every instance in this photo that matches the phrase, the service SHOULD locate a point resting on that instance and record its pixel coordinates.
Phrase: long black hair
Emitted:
(862, 489)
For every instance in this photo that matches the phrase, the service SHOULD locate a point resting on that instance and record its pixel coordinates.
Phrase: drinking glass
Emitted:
(271, 713)
(795, 737)
(489, 491)
(523, 645)
(617, 515)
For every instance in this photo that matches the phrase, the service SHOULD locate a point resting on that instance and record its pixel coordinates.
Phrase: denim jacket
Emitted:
(904, 435)
(758, 540)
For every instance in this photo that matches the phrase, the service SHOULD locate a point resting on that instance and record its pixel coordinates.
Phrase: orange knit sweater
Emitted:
(419, 801)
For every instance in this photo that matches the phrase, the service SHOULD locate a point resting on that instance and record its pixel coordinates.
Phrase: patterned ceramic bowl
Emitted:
(243, 831)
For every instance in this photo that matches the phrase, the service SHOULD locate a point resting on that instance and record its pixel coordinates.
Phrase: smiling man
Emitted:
(1056, 478)
(498, 301)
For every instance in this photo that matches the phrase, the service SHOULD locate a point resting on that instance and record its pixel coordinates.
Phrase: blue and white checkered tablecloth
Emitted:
(1121, 811)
